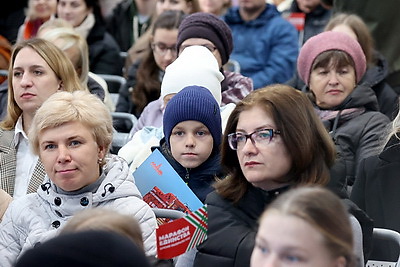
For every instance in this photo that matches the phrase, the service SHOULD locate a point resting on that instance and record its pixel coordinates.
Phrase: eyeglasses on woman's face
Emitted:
(260, 137)
(162, 49)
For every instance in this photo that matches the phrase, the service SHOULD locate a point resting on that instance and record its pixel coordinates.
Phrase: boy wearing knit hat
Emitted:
(193, 133)
(179, 74)
(210, 31)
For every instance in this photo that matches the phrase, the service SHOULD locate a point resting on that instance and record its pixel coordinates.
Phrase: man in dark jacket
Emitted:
(264, 43)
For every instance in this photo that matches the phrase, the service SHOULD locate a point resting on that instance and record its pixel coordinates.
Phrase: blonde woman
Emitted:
(72, 134)
(37, 70)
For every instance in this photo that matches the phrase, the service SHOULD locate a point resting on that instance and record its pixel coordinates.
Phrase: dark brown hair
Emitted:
(148, 84)
(303, 133)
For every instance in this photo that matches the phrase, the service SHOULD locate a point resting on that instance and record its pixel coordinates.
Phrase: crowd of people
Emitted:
(282, 117)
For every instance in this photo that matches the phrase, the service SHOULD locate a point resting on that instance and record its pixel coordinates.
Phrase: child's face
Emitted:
(191, 143)
(293, 242)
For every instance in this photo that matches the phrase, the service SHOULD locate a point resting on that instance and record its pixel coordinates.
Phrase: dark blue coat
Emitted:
(199, 179)
(266, 47)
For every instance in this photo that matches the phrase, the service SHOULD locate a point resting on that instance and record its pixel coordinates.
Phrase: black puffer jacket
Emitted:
(376, 192)
(232, 228)
(356, 138)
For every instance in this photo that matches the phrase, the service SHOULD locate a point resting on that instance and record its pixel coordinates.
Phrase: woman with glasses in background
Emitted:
(273, 141)
(144, 77)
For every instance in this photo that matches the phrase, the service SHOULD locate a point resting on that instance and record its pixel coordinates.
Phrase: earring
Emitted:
(100, 161)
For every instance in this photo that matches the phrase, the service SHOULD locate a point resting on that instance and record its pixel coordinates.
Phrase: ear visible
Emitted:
(61, 86)
(102, 152)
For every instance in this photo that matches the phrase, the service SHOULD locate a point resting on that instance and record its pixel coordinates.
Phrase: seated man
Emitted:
(265, 44)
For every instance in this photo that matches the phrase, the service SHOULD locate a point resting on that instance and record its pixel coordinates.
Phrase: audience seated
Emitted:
(140, 147)
(37, 13)
(264, 43)
(332, 64)
(76, 47)
(145, 76)
(138, 49)
(72, 134)
(178, 75)
(377, 67)
(192, 137)
(60, 33)
(258, 170)
(85, 16)
(210, 31)
(38, 69)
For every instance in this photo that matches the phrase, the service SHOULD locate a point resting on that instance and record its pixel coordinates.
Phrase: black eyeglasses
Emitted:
(210, 47)
(260, 137)
(162, 49)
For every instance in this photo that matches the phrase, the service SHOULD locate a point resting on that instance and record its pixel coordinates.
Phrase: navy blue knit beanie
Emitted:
(193, 103)
(209, 27)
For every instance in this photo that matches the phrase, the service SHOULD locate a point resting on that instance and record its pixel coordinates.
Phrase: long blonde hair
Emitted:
(58, 62)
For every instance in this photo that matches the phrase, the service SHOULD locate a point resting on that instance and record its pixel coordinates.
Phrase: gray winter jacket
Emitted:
(39, 216)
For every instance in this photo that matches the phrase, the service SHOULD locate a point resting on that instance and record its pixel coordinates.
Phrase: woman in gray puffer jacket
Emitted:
(72, 134)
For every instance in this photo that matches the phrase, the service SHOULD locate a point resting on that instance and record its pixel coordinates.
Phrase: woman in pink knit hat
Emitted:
(331, 64)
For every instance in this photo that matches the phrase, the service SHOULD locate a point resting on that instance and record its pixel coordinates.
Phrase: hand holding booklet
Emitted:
(162, 187)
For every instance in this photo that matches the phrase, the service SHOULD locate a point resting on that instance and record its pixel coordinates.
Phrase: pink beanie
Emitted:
(326, 41)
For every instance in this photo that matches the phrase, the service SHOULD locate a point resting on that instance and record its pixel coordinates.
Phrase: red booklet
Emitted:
(163, 188)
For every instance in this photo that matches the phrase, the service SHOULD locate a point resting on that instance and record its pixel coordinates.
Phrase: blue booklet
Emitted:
(162, 187)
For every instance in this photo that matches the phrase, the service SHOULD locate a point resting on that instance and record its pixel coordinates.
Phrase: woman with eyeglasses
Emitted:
(273, 141)
(144, 77)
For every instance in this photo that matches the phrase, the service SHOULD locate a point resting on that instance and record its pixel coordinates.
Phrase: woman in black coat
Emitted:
(268, 148)
(376, 189)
